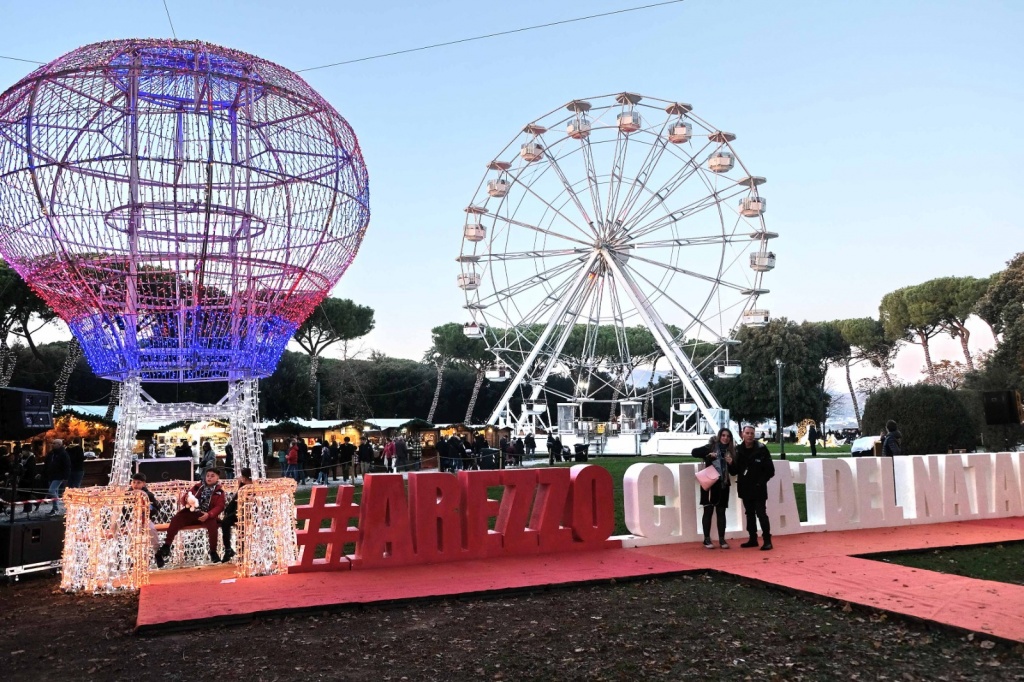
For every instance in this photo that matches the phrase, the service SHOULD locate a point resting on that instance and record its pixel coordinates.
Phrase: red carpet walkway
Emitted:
(819, 563)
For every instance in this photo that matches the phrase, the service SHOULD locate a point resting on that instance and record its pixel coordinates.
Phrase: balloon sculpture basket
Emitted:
(108, 544)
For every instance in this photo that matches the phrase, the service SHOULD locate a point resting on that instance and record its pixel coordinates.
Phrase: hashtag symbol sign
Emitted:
(333, 538)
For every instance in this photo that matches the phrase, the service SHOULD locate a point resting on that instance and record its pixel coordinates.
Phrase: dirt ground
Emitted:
(677, 628)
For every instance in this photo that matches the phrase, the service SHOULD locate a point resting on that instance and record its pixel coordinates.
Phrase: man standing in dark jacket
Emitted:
(754, 467)
(58, 470)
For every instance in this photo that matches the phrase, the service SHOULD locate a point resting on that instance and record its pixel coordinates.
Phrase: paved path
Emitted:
(826, 564)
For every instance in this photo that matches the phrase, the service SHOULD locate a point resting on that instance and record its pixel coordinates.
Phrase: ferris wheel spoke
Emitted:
(592, 182)
(712, 200)
(528, 188)
(615, 179)
(692, 241)
(593, 324)
(643, 175)
(696, 317)
(553, 163)
(621, 342)
(689, 168)
(566, 321)
(529, 255)
(537, 228)
(690, 273)
(530, 282)
(542, 306)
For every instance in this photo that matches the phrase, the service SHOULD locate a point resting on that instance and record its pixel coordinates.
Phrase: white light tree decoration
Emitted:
(603, 223)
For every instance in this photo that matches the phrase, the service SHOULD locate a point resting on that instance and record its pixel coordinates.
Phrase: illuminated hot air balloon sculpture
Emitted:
(183, 207)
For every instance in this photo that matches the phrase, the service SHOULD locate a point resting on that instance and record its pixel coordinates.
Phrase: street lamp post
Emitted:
(779, 364)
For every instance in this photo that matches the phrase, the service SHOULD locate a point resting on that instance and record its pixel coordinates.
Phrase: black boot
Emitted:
(767, 543)
(161, 555)
(752, 542)
(214, 557)
(229, 554)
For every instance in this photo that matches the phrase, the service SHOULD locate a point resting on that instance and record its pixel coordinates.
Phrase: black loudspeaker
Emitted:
(31, 541)
(166, 469)
(1002, 407)
(24, 412)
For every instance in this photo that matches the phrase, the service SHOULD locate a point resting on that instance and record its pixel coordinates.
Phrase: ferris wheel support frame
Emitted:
(682, 366)
(559, 312)
(684, 369)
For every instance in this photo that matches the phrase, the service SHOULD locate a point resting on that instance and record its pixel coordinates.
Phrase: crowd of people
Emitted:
(322, 463)
(63, 467)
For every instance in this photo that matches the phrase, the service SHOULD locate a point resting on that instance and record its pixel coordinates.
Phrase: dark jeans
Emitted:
(755, 509)
(706, 521)
(225, 530)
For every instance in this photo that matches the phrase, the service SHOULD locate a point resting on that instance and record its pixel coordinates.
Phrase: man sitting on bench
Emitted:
(208, 503)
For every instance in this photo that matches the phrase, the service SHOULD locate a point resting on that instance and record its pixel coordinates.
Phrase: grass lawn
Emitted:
(1002, 563)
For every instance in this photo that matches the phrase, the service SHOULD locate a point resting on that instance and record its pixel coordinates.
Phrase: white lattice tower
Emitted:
(127, 430)
(240, 407)
(244, 399)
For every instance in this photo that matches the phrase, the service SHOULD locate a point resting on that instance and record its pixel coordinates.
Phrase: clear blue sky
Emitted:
(889, 131)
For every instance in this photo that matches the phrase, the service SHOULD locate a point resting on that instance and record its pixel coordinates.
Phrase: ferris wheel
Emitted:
(610, 234)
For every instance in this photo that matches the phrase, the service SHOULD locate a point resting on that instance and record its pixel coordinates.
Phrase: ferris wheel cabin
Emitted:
(497, 375)
(474, 230)
(531, 151)
(536, 408)
(680, 132)
(629, 121)
(578, 129)
(762, 262)
(728, 370)
(755, 317)
(469, 281)
(752, 207)
(498, 187)
(684, 408)
(472, 330)
(721, 162)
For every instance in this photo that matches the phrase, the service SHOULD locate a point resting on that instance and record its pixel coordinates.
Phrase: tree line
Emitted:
(449, 384)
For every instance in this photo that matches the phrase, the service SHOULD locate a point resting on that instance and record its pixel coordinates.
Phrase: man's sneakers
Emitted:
(229, 554)
(723, 544)
(752, 542)
(708, 544)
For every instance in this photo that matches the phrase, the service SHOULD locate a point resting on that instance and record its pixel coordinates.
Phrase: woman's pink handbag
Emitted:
(707, 477)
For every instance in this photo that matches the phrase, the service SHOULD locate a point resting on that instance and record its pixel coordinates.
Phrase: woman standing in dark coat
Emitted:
(719, 453)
